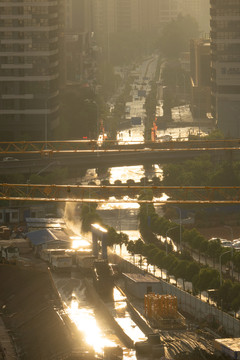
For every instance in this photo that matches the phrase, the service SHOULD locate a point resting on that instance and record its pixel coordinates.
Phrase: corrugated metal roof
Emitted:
(45, 220)
(59, 234)
(44, 236)
(45, 223)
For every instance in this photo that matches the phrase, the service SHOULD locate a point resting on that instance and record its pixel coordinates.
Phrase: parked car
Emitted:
(236, 241)
(220, 239)
(226, 243)
(61, 262)
(236, 245)
(9, 254)
(165, 138)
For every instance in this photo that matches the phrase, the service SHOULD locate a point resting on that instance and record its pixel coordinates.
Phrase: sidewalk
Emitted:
(7, 351)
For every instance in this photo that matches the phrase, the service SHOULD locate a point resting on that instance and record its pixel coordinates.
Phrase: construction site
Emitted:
(45, 296)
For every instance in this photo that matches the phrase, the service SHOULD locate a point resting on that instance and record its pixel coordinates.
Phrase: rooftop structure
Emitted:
(139, 285)
(200, 77)
(141, 278)
(39, 223)
(49, 238)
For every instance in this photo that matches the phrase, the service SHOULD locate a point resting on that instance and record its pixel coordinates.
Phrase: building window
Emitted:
(14, 216)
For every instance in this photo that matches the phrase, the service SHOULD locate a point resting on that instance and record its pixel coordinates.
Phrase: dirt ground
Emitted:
(28, 302)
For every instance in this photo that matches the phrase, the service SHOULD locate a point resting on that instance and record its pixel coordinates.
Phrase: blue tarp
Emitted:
(40, 237)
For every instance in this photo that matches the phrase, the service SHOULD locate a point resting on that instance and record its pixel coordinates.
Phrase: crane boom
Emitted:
(86, 146)
(106, 194)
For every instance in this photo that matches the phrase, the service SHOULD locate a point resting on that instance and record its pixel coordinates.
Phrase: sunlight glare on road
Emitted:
(123, 318)
(86, 323)
(125, 173)
(110, 206)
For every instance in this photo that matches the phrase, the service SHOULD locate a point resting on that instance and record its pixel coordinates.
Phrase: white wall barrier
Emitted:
(188, 303)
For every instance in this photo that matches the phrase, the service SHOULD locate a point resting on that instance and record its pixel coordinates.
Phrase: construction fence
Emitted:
(200, 310)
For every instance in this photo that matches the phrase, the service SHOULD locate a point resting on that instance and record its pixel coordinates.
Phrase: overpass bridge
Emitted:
(34, 156)
(66, 146)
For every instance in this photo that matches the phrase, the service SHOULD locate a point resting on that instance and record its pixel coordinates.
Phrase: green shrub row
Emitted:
(181, 265)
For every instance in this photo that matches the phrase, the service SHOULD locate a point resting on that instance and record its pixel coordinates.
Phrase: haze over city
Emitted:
(120, 179)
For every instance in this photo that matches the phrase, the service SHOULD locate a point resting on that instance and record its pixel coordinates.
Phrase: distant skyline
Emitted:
(138, 15)
(33, 61)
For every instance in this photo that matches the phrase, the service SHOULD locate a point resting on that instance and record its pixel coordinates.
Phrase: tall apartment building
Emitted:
(68, 14)
(225, 65)
(79, 57)
(200, 77)
(148, 14)
(78, 15)
(29, 68)
(168, 10)
(104, 17)
(200, 10)
(204, 19)
(151, 15)
(123, 15)
(131, 15)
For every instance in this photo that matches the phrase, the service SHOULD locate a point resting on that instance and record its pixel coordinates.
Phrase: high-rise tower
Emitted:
(29, 68)
(148, 13)
(200, 10)
(225, 65)
(78, 15)
(168, 10)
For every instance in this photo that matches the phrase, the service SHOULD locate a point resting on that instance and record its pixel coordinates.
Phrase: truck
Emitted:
(103, 278)
(61, 262)
(85, 263)
(9, 254)
(46, 254)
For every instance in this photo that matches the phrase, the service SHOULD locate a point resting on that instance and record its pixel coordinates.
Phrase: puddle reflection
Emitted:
(123, 317)
(99, 336)
(86, 323)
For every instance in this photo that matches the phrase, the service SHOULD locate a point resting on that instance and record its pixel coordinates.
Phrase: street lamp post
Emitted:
(230, 228)
(220, 264)
(46, 123)
(184, 88)
(166, 237)
(180, 226)
(90, 101)
(97, 115)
